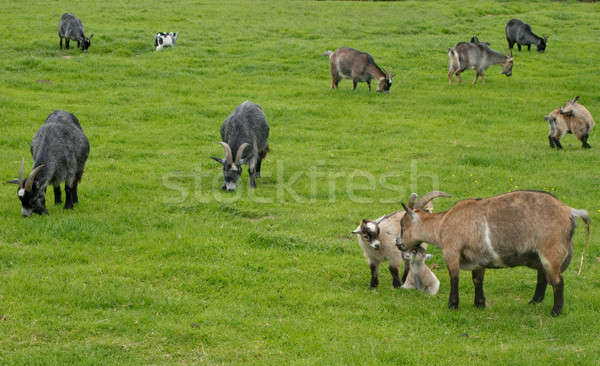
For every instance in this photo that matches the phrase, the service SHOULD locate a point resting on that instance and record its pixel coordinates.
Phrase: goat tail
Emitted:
(586, 219)
(327, 53)
(454, 59)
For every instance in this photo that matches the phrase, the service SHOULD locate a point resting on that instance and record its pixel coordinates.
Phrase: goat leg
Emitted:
(558, 297)
(395, 276)
(477, 276)
(540, 288)
(75, 197)
(57, 198)
(557, 142)
(374, 280)
(68, 197)
(585, 145)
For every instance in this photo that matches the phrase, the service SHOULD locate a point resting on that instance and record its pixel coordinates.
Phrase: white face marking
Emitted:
(375, 244)
(230, 186)
(21, 192)
(26, 212)
(371, 227)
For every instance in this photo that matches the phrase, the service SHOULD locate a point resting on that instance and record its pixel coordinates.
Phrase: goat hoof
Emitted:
(555, 312)
(452, 305)
(479, 304)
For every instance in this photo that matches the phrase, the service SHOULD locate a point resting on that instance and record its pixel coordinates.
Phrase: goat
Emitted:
(520, 228)
(245, 131)
(476, 56)
(358, 66)
(521, 34)
(419, 276)
(162, 39)
(71, 28)
(377, 239)
(59, 150)
(570, 118)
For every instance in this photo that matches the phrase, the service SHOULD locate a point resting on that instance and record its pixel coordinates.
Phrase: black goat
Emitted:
(59, 150)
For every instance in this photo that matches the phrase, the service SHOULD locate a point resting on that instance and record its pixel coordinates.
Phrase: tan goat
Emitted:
(521, 228)
(571, 118)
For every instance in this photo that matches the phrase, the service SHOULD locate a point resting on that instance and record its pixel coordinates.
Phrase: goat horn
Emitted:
(228, 154)
(411, 200)
(575, 100)
(428, 197)
(31, 177)
(240, 151)
(20, 181)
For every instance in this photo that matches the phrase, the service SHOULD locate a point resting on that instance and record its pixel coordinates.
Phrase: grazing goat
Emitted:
(377, 240)
(71, 28)
(162, 39)
(521, 228)
(245, 131)
(420, 277)
(59, 150)
(571, 118)
(476, 56)
(521, 34)
(358, 66)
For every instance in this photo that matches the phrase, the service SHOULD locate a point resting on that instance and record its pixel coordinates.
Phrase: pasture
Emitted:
(156, 265)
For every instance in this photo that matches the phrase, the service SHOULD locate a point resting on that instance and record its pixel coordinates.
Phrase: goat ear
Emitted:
(545, 38)
(357, 230)
(575, 100)
(221, 161)
(90, 37)
(14, 181)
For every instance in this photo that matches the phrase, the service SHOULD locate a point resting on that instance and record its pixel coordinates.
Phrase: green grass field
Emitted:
(157, 266)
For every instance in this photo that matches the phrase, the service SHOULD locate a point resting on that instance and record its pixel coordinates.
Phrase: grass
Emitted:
(157, 266)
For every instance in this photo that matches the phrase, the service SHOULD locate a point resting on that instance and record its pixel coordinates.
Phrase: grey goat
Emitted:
(71, 28)
(245, 131)
(59, 150)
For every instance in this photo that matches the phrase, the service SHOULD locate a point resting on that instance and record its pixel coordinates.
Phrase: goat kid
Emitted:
(419, 276)
(162, 39)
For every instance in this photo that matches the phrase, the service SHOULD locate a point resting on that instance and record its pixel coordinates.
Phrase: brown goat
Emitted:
(571, 118)
(521, 228)
(358, 66)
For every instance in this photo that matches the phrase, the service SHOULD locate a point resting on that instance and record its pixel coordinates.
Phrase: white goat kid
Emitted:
(162, 39)
(420, 277)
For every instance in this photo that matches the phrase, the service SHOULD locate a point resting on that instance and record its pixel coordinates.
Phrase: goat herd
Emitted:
(521, 228)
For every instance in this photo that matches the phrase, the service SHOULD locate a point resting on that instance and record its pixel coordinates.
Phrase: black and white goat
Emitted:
(245, 131)
(162, 39)
(59, 150)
